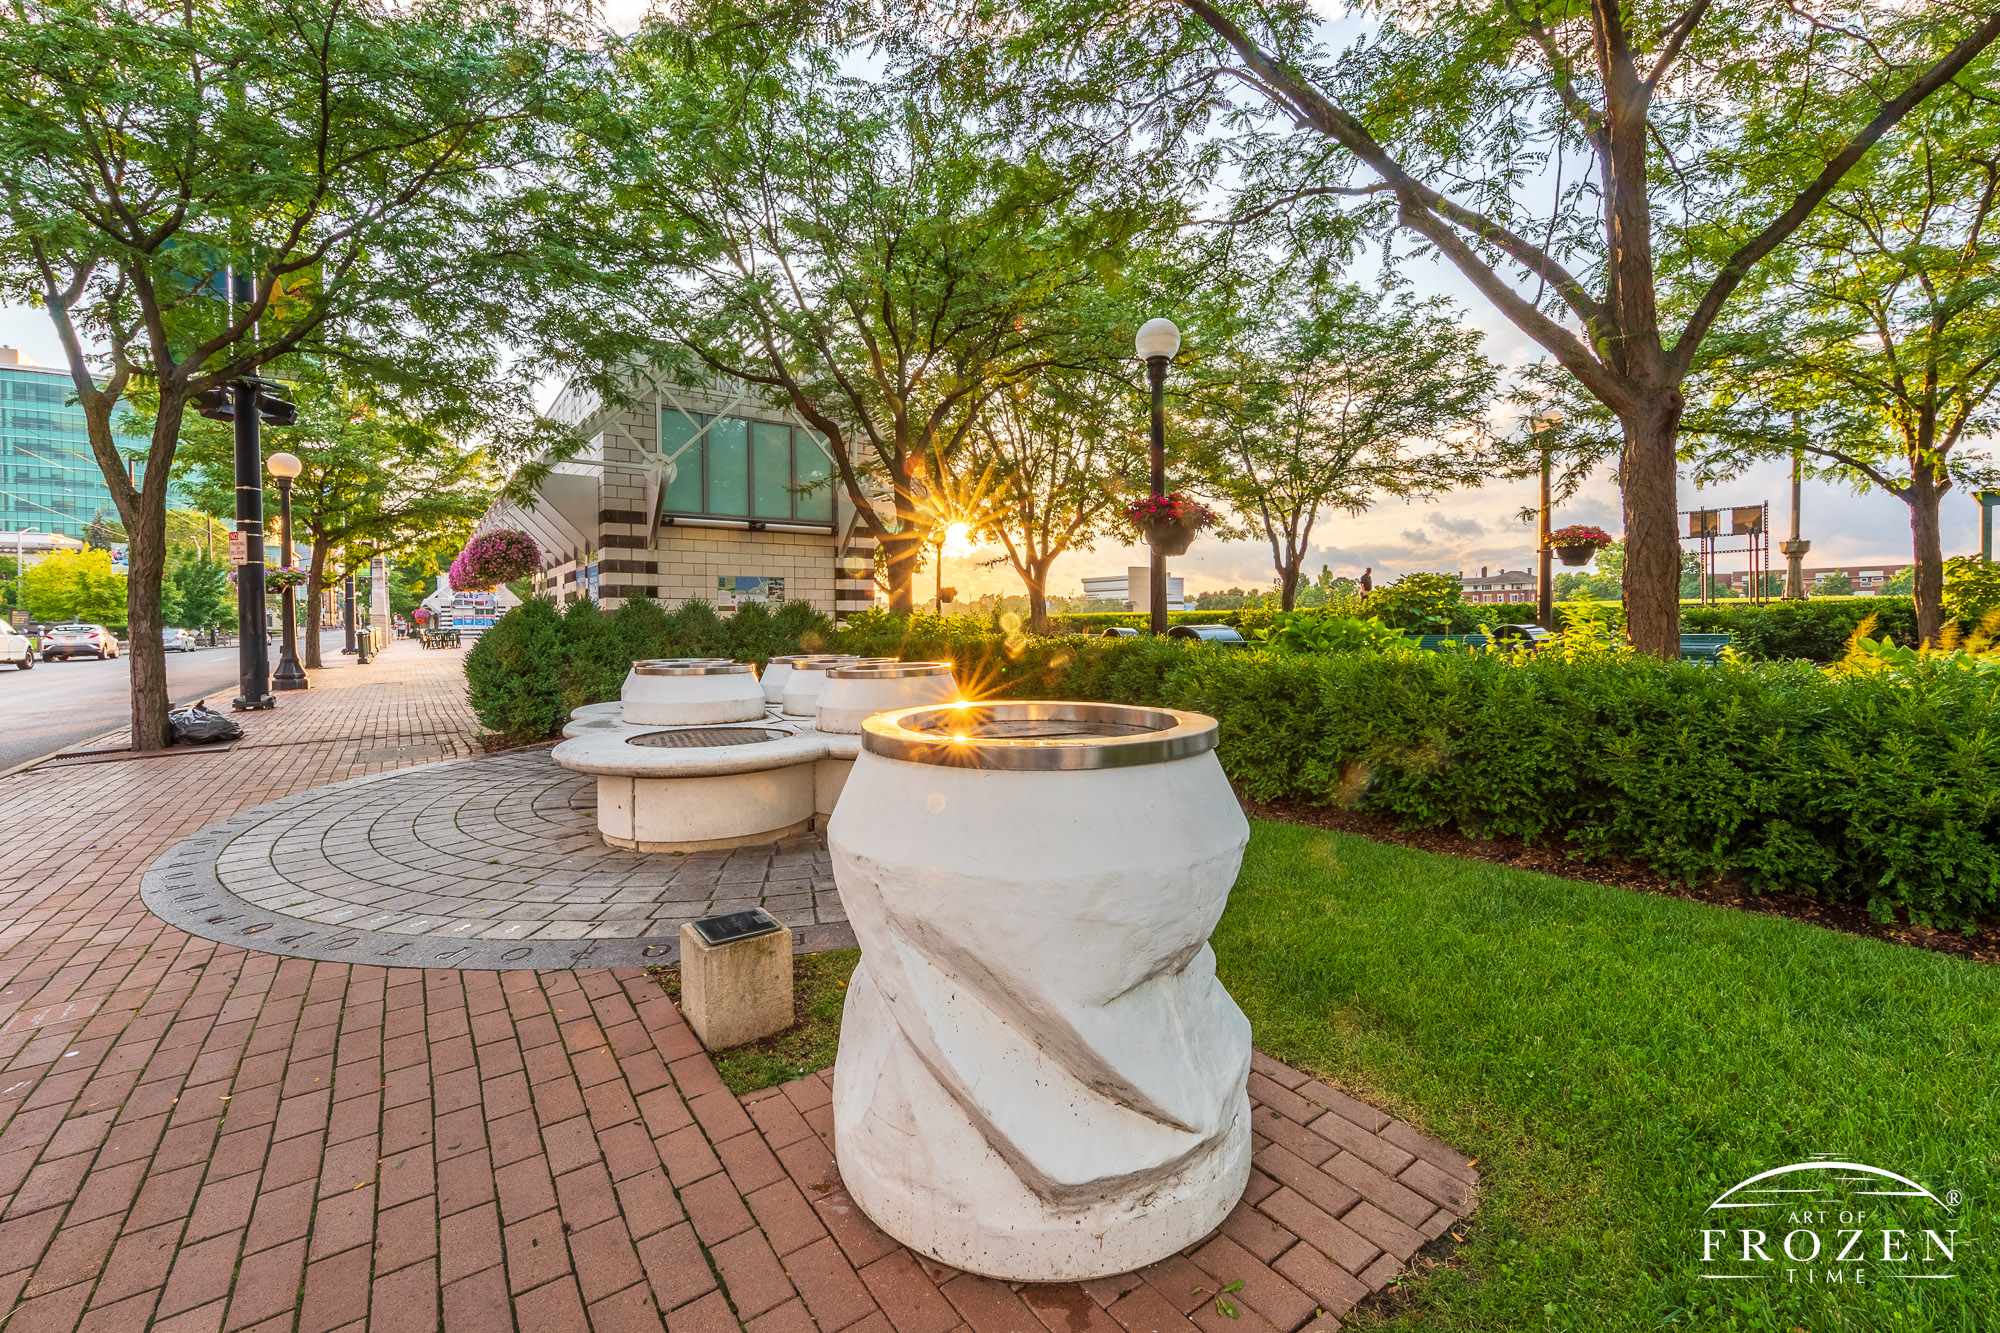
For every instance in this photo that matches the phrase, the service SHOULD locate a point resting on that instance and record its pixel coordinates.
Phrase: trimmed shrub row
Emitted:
(1777, 775)
(537, 664)
(1879, 789)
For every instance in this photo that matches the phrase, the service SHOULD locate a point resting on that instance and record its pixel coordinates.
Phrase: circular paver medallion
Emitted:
(483, 863)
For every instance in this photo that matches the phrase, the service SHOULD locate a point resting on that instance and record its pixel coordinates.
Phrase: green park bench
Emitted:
(1433, 643)
(1704, 647)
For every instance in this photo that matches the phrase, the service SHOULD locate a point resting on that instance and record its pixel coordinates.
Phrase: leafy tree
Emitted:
(75, 585)
(197, 192)
(869, 259)
(1065, 450)
(197, 594)
(103, 532)
(371, 477)
(1687, 142)
(1902, 583)
(1350, 398)
(1872, 342)
(1835, 584)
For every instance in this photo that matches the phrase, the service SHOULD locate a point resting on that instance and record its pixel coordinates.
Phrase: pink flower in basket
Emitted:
(500, 556)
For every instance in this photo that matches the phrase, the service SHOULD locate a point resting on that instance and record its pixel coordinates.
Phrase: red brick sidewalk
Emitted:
(196, 1137)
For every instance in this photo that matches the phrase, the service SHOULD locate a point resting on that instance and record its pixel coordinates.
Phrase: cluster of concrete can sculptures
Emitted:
(1039, 1078)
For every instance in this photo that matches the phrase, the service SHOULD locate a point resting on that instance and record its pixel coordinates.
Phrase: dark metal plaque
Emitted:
(734, 926)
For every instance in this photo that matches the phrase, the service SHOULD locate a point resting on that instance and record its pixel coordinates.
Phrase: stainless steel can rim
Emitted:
(839, 663)
(888, 670)
(793, 658)
(694, 667)
(945, 734)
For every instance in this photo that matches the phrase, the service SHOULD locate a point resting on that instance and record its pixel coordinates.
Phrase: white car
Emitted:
(179, 640)
(16, 647)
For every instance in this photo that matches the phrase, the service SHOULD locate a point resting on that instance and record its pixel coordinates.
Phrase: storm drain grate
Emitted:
(699, 738)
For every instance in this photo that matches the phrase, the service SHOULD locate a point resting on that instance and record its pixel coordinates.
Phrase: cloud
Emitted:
(1465, 526)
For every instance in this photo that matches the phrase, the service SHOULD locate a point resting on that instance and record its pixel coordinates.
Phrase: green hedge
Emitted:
(1817, 629)
(1878, 789)
(1775, 774)
(537, 664)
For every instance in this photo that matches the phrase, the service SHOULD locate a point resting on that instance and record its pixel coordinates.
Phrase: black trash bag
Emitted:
(201, 725)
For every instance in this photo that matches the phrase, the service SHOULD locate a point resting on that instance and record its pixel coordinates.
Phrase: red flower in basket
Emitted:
(1169, 522)
(1578, 542)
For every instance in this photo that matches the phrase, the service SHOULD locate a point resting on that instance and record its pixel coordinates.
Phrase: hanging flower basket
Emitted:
(496, 557)
(284, 577)
(1169, 522)
(1577, 543)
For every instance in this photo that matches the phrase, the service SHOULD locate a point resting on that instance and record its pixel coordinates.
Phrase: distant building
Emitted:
(1506, 585)
(694, 491)
(1134, 589)
(1867, 577)
(48, 477)
(33, 547)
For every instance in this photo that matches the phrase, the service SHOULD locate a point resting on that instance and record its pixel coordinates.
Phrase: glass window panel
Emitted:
(812, 470)
(771, 470)
(683, 493)
(729, 467)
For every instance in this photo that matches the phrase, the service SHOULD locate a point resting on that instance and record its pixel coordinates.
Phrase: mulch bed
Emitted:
(1852, 918)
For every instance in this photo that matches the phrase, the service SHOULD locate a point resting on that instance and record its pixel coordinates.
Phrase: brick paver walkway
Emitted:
(194, 1136)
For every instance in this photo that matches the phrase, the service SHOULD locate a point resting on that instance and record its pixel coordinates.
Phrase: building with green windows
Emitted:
(49, 479)
(696, 491)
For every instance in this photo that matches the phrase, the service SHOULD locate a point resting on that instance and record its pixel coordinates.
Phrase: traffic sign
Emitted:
(239, 548)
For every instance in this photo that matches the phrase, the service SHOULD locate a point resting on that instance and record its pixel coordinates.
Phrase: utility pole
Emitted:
(1796, 548)
(1545, 610)
(247, 404)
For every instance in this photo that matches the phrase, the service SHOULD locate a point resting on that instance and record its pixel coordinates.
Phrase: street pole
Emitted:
(1987, 523)
(290, 675)
(1545, 610)
(1795, 549)
(347, 611)
(1156, 375)
(253, 652)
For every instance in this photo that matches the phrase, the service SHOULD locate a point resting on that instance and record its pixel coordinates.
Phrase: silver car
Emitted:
(179, 640)
(67, 641)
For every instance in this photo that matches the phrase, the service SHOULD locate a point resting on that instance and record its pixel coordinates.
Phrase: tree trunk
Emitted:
(146, 553)
(901, 551)
(315, 602)
(1288, 580)
(1927, 546)
(1035, 577)
(1652, 543)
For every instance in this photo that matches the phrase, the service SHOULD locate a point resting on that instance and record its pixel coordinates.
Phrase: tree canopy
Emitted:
(1332, 397)
(193, 192)
(1606, 176)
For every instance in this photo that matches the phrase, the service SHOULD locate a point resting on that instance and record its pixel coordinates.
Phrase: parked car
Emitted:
(179, 640)
(16, 647)
(67, 641)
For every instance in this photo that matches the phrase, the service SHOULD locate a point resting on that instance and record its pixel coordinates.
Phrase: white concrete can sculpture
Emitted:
(779, 669)
(691, 692)
(1040, 1078)
(856, 691)
(805, 677)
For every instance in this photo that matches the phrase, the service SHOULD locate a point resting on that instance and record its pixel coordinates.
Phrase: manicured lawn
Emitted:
(1615, 1061)
(819, 989)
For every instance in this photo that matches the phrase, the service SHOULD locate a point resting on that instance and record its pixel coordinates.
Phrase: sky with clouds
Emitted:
(1464, 530)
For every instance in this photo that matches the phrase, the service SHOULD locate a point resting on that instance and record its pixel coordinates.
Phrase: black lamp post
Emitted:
(1158, 341)
(290, 675)
(247, 403)
(347, 612)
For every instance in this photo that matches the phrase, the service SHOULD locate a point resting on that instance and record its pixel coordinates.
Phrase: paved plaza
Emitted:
(492, 862)
(196, 1135)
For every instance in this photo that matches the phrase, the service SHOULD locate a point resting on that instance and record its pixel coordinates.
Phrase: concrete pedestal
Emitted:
(1040, 1079)
(736, 993)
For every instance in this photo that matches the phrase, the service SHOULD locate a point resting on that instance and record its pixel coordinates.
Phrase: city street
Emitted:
(61, 704)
